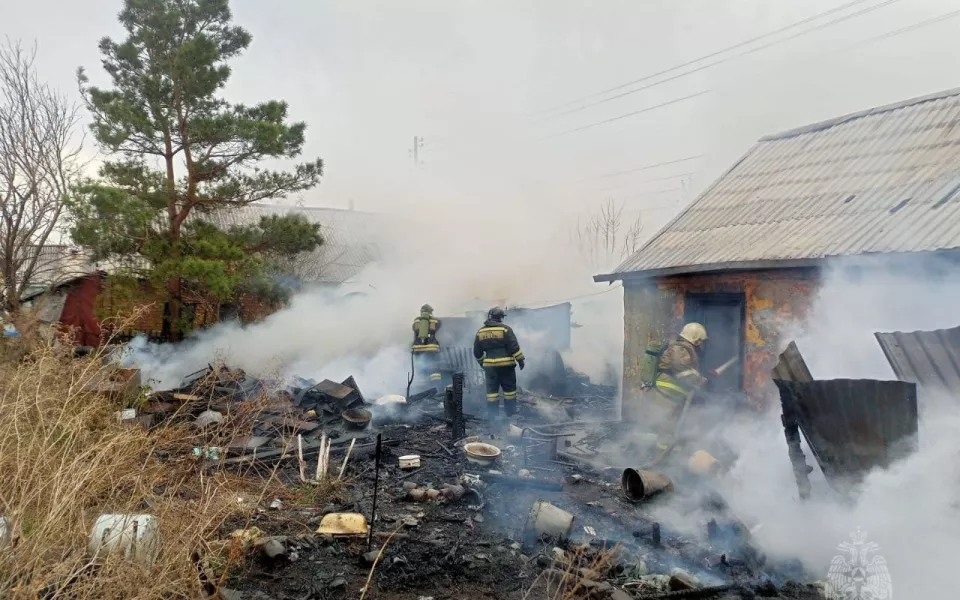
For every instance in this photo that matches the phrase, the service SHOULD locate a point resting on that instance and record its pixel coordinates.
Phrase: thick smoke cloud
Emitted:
(456, 264)
(910, 510)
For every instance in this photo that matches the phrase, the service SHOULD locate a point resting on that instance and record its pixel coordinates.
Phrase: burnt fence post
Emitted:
(791, 430)
(459, 431)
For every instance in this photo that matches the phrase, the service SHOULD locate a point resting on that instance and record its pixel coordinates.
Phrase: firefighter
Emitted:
(678, 377)
(497, 350)
(425, 348)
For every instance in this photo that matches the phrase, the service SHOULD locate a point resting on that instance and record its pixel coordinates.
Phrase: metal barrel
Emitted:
(638, 484)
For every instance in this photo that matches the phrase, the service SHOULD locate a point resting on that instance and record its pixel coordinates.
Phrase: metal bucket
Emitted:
(641, 485)
(703, 463)
(550, 520)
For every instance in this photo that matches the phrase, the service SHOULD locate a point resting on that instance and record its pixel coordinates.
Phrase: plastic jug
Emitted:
(136, 536)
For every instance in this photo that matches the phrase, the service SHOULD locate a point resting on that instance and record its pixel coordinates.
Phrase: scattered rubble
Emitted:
(487, 506)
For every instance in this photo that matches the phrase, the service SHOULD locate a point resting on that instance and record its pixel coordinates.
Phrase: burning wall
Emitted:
(774, 298)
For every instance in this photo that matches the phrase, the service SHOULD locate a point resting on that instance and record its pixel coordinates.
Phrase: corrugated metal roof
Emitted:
(931, 359)
(884, 180)
(348, 238)
(57, 264)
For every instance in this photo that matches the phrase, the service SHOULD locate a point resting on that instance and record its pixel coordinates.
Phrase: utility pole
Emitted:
(415, 151)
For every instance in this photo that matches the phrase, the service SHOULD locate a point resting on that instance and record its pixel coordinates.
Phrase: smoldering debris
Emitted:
(450, 518)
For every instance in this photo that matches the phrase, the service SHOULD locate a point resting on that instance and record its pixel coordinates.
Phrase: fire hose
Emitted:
(683, 415)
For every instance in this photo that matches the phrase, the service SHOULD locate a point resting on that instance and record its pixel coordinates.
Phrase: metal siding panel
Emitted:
(785, 199)
(930, 359)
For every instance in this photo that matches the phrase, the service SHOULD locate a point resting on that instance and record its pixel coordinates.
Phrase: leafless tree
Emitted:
(39, 160)
(602, 240)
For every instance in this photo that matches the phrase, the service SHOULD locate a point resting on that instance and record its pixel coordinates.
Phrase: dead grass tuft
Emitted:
(574, 576)
(65, 459)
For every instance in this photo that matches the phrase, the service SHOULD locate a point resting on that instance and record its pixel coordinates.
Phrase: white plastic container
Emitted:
(128, 414)
(550, 520)
(6, 532)
(410, 461)
(136, 536)
(390, 399)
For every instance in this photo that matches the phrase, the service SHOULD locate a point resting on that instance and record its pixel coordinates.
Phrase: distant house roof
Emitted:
(885, 180)
(349, 238)
(56, 265)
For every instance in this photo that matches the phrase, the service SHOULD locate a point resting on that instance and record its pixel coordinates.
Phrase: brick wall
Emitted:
(775, 301)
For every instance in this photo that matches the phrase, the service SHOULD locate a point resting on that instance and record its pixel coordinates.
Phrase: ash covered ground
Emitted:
(454, 528)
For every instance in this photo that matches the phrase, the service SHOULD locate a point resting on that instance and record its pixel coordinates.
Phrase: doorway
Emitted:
(723, 315)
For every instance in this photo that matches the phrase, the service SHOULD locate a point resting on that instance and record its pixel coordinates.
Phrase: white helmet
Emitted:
(694, 333)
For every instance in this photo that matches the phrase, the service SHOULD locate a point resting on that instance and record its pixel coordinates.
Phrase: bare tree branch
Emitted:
(601, 240)
(39, 161)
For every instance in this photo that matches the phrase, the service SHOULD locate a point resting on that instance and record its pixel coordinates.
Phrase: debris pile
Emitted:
(493, 507)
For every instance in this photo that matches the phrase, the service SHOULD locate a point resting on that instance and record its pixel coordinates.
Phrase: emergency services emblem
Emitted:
(860, 573)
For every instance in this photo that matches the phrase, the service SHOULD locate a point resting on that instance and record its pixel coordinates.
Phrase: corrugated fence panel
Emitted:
(854, 425)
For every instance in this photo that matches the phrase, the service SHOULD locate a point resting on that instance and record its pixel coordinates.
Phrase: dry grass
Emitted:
(65, 460)
(566, 580)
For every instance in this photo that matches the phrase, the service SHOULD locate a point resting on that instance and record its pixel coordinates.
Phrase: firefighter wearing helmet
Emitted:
(678, 377)
(497, 350)
(425, 348)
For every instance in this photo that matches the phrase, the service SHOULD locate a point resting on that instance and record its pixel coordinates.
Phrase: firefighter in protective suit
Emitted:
(425, 348)
(678, 378)
(497, 350)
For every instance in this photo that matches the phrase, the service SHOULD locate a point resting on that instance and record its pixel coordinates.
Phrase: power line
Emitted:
(896, 32)
(629, 114)
(668, 178)
(728, 59)
(711, 55)
(645, 167)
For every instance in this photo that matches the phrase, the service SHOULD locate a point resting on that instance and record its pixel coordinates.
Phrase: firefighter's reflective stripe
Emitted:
(493, 397)
(506, 361)
(518, 354)
(435, 377)
(510, 395)
(668, 385)
(491, 333)
(426, 347)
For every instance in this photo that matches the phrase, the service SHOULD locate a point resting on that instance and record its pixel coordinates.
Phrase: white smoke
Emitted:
(910, 509)
(324, 335)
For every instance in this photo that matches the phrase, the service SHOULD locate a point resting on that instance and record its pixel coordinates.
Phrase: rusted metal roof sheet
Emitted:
(853, 426)
(885, 180)
(931, 359)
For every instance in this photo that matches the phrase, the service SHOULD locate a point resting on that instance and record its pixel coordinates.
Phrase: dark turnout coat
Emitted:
(496, 345)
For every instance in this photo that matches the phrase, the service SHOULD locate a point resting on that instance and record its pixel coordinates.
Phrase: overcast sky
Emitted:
(477, 79)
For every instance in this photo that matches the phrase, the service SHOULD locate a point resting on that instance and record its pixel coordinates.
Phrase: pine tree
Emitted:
(178, 150)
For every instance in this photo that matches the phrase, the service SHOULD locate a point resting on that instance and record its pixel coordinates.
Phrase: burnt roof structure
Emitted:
(884, 180)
